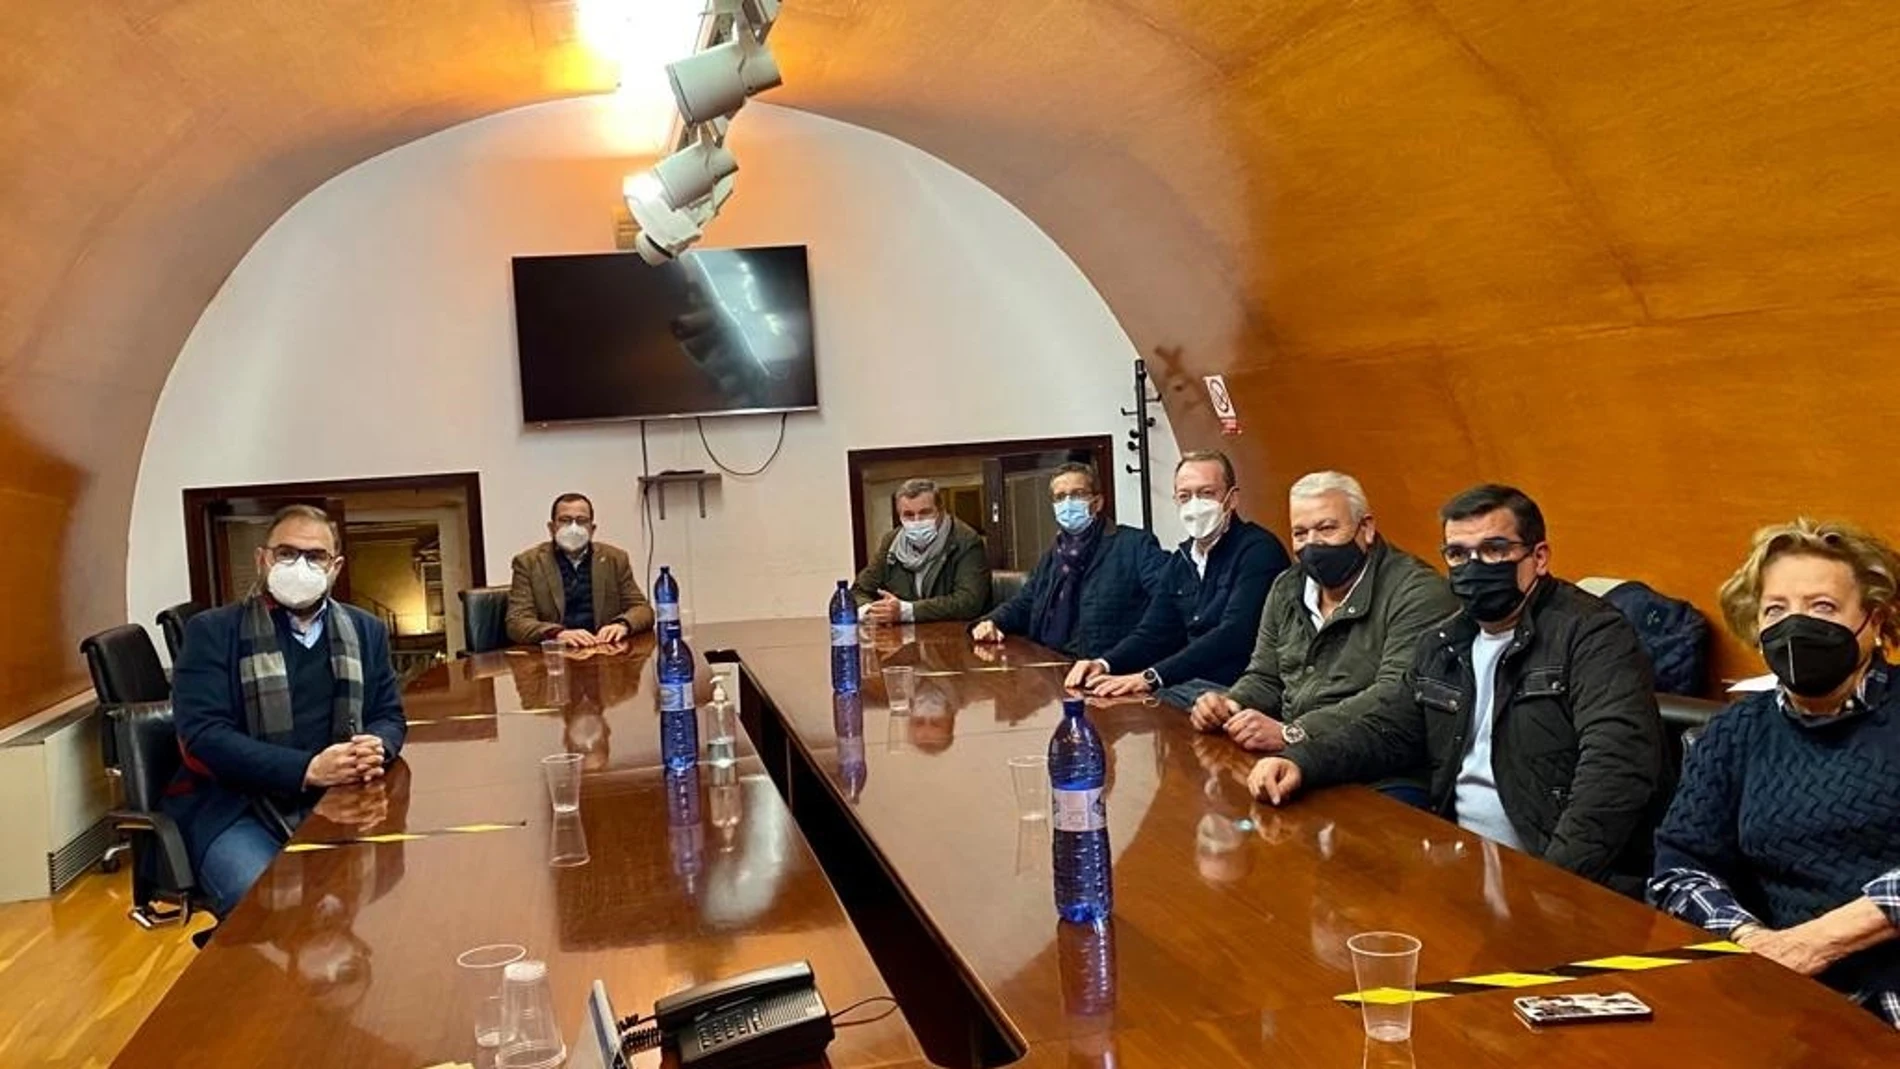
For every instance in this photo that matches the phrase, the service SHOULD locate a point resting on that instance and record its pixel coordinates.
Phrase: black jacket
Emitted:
(1577, 744)
(1203, 626)
(1115, 590)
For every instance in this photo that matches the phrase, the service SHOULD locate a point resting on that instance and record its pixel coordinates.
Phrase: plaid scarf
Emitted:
(266, 680)
(1063, 606)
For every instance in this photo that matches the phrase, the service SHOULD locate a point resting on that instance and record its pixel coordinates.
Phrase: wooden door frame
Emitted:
(1100, 446)
(198, 501)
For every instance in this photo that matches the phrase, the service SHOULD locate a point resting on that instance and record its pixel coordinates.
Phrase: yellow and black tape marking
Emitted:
(402, 837)
(1577, 970)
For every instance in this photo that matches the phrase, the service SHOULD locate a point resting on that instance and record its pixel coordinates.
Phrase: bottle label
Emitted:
(667, 612)
(1080, 810)
(844, 634)
(675, 697)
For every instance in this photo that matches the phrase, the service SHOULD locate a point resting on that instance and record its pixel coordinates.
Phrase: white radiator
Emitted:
(54, 794)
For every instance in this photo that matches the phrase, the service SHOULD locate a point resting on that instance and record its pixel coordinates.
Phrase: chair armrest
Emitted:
(164, 831)
(1680, 712)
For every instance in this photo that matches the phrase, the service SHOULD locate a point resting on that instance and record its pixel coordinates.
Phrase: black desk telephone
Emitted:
(764, 1018)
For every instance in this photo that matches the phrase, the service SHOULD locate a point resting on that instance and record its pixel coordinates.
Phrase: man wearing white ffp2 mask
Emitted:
(277, 698)
(574, 588)
(932, 566)
(1199, 631)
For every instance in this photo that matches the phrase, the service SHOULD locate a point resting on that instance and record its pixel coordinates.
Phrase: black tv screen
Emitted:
(718, 331)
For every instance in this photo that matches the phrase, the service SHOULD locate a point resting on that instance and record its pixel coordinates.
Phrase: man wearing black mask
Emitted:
(1338, 630)
(1531, 710)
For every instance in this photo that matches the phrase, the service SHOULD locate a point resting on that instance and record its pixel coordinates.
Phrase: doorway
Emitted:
(409, 544)
(999, 488)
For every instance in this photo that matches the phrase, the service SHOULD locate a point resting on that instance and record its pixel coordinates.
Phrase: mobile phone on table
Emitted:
(1582, 1009)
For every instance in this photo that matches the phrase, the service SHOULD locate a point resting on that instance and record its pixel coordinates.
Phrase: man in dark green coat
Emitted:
(932, 566)
(1338, 631)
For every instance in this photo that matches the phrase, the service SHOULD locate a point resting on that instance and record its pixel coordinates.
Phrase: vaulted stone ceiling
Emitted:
(1621, 251)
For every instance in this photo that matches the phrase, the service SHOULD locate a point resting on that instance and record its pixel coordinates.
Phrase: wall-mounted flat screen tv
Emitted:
(716, 332)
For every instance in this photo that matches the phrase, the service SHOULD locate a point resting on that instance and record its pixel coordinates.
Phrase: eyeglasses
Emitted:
(1489, 551)
(1205, 493)
(321, 558)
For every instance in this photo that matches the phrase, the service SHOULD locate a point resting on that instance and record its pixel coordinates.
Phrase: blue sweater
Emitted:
(208, 708)
(1204, 626)
(1115, 586)
(1780, 819)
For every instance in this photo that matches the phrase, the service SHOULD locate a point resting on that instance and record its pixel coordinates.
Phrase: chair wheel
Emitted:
(109, 864)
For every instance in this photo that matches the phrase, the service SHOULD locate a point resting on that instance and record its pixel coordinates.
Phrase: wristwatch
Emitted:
(1152, 678)
(1294, 734)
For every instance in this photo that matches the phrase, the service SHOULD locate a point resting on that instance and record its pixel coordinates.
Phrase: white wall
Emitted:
(370, 332)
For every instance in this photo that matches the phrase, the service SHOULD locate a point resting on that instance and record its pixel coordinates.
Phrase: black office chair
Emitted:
(1005, 585)
(1686, 719)
(125, 669)
(484, 619)
(164, 888)
(171, 623)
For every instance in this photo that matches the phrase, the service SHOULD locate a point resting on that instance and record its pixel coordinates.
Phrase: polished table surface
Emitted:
(1231, 918)
(346, 956)
(1227, 945)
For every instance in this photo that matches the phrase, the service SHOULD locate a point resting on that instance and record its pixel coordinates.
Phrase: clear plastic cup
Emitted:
(530, 1031)
(478, 983)
(899, 681)
(554, 656)
(1030, 776)
(1385, 966)
(563, 774)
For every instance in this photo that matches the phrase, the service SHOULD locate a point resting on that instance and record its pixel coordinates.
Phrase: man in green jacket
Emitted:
(1338, 631)
(932, 566)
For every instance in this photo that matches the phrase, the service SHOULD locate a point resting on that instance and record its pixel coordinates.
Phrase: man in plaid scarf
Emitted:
(277, 698)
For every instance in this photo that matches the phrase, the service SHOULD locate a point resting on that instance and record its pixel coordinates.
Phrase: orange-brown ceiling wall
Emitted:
(1638, 256)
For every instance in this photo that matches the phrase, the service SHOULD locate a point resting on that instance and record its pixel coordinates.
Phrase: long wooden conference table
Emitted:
(887, 850)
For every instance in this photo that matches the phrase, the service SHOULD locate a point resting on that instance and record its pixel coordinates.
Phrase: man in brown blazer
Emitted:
(574, 588)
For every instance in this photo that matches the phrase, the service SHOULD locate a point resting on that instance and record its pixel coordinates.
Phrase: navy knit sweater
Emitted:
(1781, 818)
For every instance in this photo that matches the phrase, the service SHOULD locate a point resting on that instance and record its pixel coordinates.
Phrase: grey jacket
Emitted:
(1330, 676)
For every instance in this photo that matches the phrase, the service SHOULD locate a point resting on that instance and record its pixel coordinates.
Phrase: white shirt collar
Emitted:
(1312, 594)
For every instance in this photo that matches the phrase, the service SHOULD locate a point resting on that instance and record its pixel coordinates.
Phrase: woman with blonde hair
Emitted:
(1785, 833)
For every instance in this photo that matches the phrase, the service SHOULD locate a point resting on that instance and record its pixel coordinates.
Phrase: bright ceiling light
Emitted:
(641, 36)
(637, 39)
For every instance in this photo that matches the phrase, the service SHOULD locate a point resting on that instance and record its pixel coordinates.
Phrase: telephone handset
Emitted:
(766, 1017)
(763, 1018)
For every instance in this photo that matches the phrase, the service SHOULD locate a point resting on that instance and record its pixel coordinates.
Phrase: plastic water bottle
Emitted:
(666, 604)
(679, 718)
(844, 640)
(1078, 769)
(722, 729)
